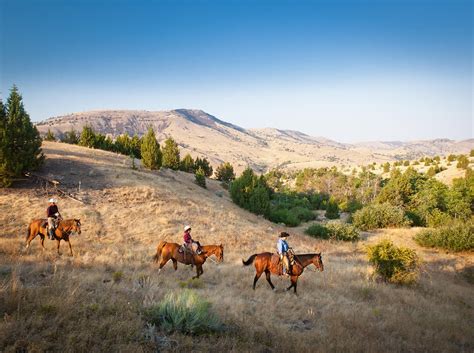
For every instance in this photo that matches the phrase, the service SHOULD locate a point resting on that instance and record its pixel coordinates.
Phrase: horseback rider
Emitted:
(283, 248)
(189, 241)
(53, 215)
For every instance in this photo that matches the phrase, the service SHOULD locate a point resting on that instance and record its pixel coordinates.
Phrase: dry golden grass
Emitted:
(95, 300)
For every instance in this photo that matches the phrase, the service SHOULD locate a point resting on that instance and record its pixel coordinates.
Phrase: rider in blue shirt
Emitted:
(282, 248)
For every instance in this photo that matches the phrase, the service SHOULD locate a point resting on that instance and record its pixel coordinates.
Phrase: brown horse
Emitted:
(170, 251)
(62, 232)
(264, 263)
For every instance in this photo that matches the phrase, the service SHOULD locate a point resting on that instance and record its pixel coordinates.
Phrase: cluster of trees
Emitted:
(20, 141)
(149, 150)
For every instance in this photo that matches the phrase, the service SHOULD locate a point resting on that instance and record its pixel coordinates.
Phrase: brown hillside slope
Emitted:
(202, 134)
(95, 300)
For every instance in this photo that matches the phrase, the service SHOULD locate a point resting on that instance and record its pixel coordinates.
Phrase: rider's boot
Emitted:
(50, 234)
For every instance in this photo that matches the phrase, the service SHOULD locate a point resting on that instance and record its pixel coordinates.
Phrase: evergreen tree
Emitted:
(150, 150)
(187, 164)
(200, 178)
(71, 137)
(225, 172)
(88, 137)
(386, 167)
(204, 164)
(21, 141)
(50, 136)
(135, 146)
(170, 154)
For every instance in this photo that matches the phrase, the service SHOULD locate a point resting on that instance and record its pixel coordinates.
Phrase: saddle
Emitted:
(275, 260)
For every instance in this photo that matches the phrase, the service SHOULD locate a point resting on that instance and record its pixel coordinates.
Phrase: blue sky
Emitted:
(347, 70)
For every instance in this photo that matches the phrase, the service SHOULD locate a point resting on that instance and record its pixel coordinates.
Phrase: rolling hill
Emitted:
(96, 300)
(202, 134)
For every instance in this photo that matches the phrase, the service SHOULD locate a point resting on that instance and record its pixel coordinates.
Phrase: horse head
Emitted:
(77, 226)
(318, 262)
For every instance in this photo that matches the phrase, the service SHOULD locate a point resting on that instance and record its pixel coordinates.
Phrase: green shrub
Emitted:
(394, 264)
(333, 230)
(455, 236)
(285, 216)
(332, 210)
(463, 162)
(350, 206)
(380, 216)
(318, 231)
(342, 231)
(185, 312)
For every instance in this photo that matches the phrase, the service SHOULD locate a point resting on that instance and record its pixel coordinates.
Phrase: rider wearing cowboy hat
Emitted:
(282, 248)
(188, 240)
(52, 213)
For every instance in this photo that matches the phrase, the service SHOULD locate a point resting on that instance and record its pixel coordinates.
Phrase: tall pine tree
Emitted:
(170, 154)
(150, 150)
(21, 141)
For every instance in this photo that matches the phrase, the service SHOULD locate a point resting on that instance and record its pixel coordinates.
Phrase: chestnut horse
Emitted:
(170, 251)
(264, 263)
(62, 232)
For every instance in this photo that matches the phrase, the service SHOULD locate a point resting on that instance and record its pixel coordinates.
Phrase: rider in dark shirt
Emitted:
(52, 213)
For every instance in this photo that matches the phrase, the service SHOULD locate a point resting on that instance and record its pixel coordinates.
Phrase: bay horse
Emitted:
(62, 232)
(264, 263)
(170, 251)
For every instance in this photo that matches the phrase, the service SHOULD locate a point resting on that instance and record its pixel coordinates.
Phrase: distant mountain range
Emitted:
(202, 134)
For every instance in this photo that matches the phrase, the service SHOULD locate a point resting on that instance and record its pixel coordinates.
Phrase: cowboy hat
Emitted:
(284, 235)
(186, 228)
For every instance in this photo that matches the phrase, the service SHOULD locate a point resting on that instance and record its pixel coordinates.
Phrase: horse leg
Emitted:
(199, 271)
(267, 274)
(294, 280)
(42, 241)
(31, 236)
(163, 261)
(58, 242)
(175, 264)
(257, 276)
(70, 247)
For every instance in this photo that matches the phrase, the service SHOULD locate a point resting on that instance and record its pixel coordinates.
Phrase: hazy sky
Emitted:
(347, 70)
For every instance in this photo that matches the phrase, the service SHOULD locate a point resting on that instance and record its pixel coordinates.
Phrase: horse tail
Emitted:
(250, 260)
(157, 256)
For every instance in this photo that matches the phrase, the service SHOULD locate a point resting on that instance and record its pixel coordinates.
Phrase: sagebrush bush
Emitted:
(380, 216)
(394, 264)
(455, 236)
(342, 231)
(184, 311)
(334, 230)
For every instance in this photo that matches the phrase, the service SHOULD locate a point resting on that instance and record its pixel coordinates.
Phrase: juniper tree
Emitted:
(88, 137)
(225, 172)
(187, 164)
(200, 177)
(71, 137)
(204, 164)
(170, 154)
(20, 140)
(150, 151)
(50, 136)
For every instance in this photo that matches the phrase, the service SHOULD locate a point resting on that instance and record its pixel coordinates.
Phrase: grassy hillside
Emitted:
(96, 300)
